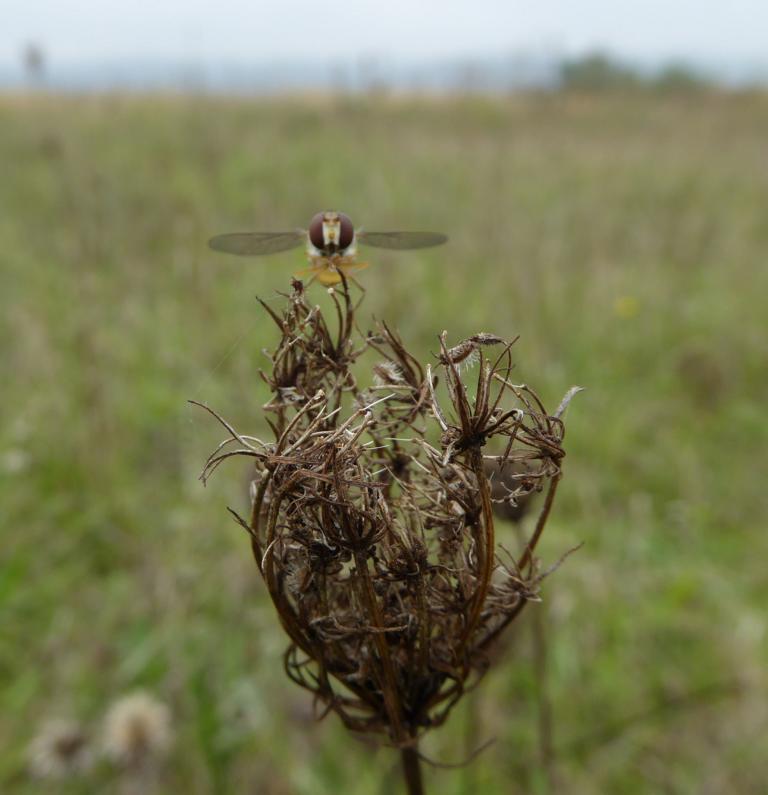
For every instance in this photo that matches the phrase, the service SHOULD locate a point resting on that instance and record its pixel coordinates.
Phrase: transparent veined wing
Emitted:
(254, 243)
(402, 240)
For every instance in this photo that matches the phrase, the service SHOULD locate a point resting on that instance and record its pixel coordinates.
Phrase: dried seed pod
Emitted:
(467, 350)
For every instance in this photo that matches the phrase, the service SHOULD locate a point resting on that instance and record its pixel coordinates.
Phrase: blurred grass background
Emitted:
(623, 237)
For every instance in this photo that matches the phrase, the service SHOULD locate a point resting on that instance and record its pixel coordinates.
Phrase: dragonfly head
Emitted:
(331, 232)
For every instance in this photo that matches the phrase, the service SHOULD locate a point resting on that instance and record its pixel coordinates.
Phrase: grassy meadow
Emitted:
(623, 237)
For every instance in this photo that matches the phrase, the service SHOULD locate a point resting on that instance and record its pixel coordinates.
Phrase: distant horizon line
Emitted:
(503, 71)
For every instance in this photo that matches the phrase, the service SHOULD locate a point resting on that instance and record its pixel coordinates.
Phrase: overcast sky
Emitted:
(73, 31)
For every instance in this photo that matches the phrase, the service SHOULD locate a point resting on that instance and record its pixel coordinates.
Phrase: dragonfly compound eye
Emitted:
(316, 231)
(346, 231)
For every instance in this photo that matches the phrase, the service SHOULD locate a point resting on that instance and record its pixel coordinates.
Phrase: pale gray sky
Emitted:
(73, 31)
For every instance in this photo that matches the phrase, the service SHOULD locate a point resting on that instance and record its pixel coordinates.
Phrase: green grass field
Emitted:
(624, 239)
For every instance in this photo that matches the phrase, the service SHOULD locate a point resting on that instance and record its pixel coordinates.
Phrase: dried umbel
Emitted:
(372, 519)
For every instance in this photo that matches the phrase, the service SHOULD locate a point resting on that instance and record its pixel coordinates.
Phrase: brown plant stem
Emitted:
(412, 770)
(540, 523)
(389, 682)
(544, 720)
(487, 549)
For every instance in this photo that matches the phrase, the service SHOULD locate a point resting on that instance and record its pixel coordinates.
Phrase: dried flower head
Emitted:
(137, 731)
(372, 520)
(60, 749)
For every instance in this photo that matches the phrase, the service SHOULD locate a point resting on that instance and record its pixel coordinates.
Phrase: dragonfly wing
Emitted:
(402, 240)
(254, 243)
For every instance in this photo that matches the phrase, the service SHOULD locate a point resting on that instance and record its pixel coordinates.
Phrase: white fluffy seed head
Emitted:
(386, 374)
(137, 730)
(363, 400)
(60, 750)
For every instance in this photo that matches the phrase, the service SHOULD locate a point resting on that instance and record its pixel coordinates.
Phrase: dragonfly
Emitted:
(331, 242)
